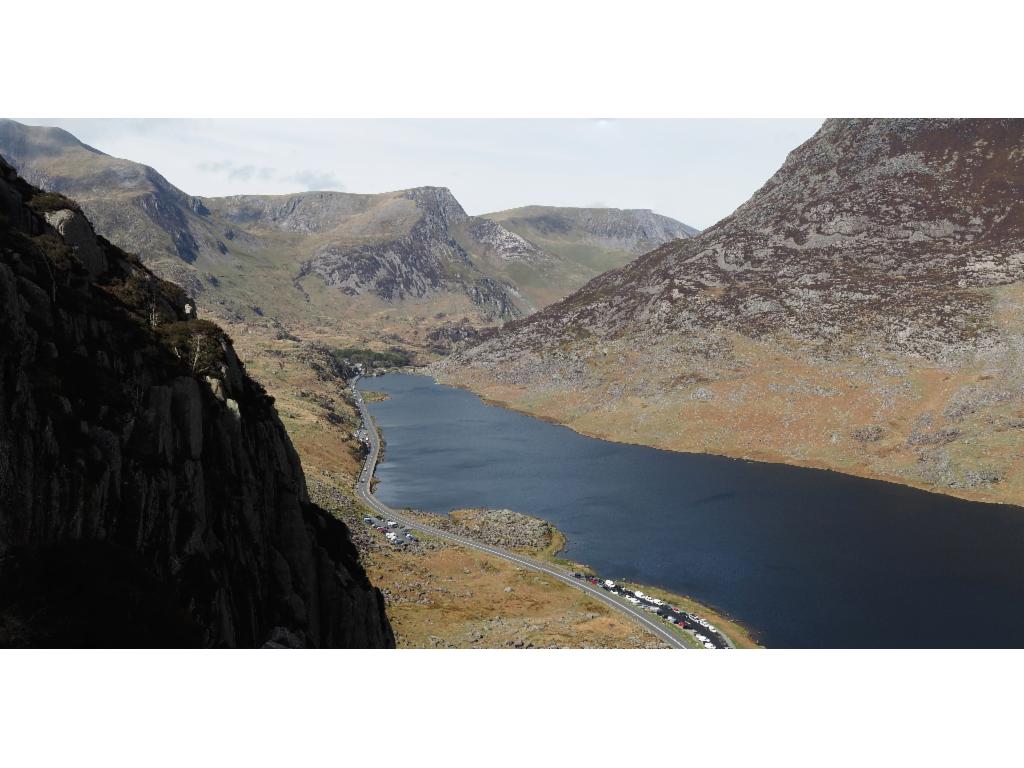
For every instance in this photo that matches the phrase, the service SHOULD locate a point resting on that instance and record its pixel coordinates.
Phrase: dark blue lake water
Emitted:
(804, 558)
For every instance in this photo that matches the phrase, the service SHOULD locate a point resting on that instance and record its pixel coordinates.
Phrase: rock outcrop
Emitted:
(499, 528)
(149, 495)
(424, 261)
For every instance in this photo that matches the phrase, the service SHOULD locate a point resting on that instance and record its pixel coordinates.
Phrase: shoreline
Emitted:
(734, 632)
(763, 458)
(364, 492)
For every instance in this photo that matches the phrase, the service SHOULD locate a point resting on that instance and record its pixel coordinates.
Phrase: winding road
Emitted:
(365, 493)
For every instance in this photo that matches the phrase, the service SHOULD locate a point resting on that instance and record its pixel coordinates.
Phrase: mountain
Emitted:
(562, 248)
(409, 265)
(862, 311)
(130, 204)
(303, 259)
(149, 495)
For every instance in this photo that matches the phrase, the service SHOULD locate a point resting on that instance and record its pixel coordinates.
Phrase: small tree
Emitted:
(196, 343)
(153, 312)
(202, 355)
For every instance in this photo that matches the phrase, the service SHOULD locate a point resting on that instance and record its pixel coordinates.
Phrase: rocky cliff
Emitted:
(148, 493)
(424, 260)
(861, 311)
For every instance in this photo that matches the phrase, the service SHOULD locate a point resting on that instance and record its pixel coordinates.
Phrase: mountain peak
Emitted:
(20, 138)
(438, 201)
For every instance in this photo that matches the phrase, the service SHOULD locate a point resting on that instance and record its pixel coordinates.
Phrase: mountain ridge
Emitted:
(307, 247)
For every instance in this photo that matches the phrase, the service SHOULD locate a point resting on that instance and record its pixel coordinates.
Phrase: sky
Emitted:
(694, 170)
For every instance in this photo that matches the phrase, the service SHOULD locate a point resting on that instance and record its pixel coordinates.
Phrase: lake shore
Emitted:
(608, 428)
(539, 538)
(803, 557)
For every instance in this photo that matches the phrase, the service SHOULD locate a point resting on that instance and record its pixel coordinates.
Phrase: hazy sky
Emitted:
(695, 170)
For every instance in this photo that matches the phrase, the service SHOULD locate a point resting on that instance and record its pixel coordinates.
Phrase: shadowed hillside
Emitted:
(149, 495)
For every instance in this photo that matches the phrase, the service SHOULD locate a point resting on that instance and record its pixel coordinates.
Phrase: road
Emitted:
(363, 488)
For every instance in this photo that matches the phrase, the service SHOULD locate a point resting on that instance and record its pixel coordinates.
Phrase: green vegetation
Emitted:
(395, 357)
(199, 344)
(48, 202)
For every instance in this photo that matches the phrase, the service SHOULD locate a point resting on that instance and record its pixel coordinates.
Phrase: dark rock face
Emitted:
(149, 495)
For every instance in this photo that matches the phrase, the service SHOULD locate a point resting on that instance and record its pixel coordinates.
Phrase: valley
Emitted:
(409, 268)
(862, 312)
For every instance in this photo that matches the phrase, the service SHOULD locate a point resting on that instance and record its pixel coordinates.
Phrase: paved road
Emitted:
(363, 488)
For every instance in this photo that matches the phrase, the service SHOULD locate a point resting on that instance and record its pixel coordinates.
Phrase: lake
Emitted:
(805, 558)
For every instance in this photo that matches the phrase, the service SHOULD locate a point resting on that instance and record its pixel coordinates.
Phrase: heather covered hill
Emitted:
(149, 495)
(861, 311)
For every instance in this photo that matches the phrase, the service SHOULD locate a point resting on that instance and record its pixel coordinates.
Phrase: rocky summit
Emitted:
(862, 311)
(150, 495)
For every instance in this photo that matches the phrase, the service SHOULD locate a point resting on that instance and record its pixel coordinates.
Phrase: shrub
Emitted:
(393, 358)
(48, 202)
(196, 343)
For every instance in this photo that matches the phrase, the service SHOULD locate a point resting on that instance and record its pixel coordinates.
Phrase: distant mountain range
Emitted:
(411, 264)
(864, 311)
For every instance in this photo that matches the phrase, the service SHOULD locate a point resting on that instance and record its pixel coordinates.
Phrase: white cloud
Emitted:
(318, 180)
